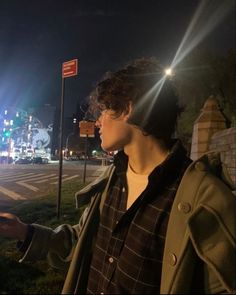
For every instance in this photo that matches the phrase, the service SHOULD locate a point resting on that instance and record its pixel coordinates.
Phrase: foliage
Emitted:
(199, 76)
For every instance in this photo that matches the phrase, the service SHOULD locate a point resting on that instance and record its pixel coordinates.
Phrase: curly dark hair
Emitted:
(152, 95)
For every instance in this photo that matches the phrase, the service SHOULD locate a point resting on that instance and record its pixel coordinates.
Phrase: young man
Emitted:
(145, 238)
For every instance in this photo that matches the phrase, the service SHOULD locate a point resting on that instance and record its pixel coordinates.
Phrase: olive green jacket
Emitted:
(202, 223)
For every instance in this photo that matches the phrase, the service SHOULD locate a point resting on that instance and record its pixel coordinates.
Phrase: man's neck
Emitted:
(145, 153)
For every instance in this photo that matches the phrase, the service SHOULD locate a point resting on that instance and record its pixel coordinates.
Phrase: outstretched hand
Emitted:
(12, 227)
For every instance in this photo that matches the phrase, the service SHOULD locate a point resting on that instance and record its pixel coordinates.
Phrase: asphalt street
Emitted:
(27, 181)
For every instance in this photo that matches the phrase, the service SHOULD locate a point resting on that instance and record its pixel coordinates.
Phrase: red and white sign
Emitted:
(70, 68)
(86, 129)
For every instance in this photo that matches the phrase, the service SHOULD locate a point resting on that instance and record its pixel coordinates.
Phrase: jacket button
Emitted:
(111, 260)
(172, 259)
(184, 207)
(200, 166)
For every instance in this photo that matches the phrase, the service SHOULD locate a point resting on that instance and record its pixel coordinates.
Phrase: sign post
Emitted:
(86, 130)
(69, 69)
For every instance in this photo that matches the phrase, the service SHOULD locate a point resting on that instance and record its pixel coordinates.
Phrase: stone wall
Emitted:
(225, 142)
(210, 133)
(210, 121)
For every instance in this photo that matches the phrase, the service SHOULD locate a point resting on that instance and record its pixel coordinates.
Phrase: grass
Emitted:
(37, 278)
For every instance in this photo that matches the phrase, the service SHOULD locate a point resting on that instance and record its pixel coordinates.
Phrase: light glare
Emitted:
(168, 72)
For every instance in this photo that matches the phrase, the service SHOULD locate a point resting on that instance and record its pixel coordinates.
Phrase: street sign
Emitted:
(86, 129)
(70, 68)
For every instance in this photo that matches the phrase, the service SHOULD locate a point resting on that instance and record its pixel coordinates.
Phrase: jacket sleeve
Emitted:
(56, 245)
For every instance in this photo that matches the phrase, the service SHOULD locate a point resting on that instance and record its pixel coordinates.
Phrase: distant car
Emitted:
(6, 160)
(72, 158)
(40, 160)
(23, 161)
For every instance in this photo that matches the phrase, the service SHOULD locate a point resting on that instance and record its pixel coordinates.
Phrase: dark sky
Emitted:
(37, 36)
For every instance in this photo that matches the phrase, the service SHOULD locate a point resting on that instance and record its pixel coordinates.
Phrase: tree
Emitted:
(200, 75)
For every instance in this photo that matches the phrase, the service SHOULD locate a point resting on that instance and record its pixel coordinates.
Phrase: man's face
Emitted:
(115, 133)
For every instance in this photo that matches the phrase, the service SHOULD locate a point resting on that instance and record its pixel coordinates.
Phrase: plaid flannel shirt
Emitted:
(129, 247)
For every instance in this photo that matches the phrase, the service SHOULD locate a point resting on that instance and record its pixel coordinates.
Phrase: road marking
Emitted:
(11, 194)
(13, 176)
(52, 178)
(31, 187)
(71, 177)
(9, 174)
(45, 180)
(29, 177)
(65, 179)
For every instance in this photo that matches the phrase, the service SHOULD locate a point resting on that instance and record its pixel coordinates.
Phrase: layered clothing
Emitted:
(198, 234)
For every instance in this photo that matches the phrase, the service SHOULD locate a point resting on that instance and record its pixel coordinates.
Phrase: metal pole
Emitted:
(67, 142)
(85, 160)
(60, 149)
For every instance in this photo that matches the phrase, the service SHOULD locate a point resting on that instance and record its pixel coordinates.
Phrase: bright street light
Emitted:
(168, 72)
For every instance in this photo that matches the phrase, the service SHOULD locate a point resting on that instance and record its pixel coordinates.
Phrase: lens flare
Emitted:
(208, 16)
(206, 19)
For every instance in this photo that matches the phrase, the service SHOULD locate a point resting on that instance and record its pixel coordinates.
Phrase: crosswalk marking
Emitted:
(45, 178)
(27, 180)
(65, 179)
(11, 194)
(71, 177)
(29, 186)
(6, 175)
(28, 177)
(24, 178)
(14, 176)
(36, 178)
(51, 178)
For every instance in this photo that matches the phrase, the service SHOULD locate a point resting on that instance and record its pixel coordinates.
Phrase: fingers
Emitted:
(4, 216)
(12, 227)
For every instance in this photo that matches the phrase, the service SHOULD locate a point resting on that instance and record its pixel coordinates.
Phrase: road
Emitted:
(27, 181)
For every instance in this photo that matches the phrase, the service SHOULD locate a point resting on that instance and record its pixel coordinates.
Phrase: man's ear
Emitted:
(128, 112)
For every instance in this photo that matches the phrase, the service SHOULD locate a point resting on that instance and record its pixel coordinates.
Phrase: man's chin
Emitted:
(108, 148)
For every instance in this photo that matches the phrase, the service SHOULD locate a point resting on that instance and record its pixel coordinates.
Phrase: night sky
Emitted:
(37, 36)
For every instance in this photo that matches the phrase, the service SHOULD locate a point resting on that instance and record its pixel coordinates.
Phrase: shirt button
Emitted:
(111, 260)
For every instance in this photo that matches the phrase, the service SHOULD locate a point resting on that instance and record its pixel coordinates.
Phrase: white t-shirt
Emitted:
(136, 185)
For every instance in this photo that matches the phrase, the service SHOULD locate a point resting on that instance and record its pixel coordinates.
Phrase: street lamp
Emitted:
(67, 142)
(168, 71)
